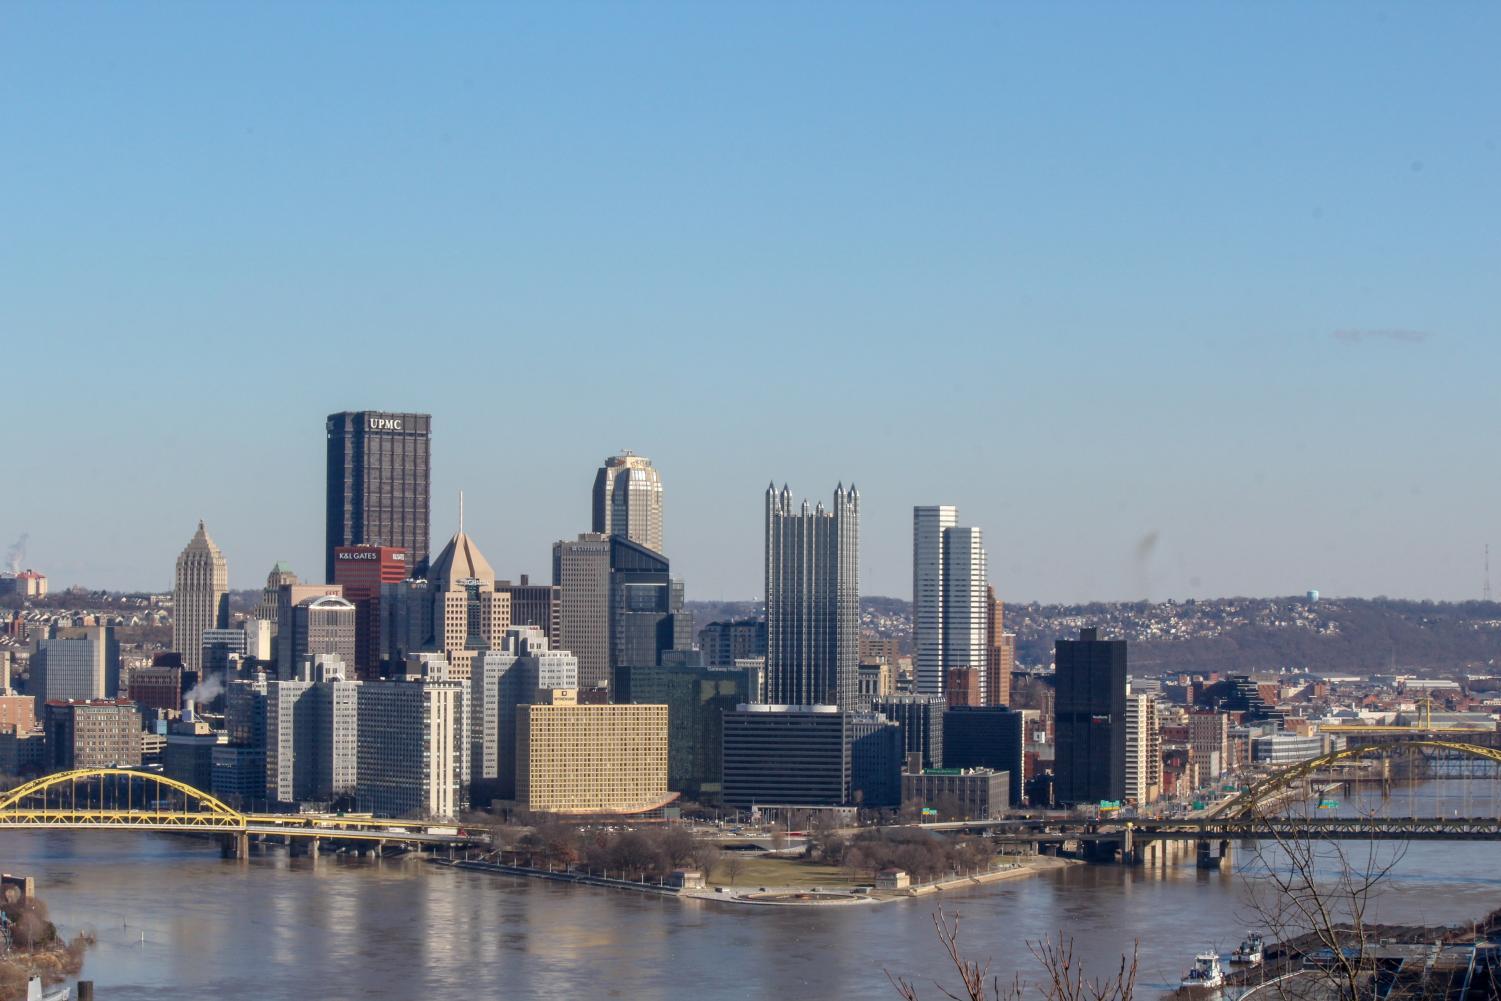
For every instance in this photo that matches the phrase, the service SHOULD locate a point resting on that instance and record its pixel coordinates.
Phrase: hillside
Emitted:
(1330, 636)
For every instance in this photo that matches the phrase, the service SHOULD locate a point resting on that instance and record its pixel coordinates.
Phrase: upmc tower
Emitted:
(379, 482)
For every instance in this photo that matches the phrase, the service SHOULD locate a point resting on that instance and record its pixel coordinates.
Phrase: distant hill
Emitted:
(1330, 636)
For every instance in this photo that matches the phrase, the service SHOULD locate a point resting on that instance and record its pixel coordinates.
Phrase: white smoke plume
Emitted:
(16, 554)
(206, 690)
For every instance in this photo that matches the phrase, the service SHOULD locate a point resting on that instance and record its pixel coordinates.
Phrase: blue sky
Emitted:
(1172, 300)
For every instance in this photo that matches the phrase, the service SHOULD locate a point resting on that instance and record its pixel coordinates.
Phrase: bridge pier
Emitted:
(1207, 859)
(302, 847)
(234, 845)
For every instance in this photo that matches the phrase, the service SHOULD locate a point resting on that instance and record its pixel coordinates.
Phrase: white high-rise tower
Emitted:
(949, 610)
(928, 527)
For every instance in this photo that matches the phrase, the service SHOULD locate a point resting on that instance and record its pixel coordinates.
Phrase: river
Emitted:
(173, 917)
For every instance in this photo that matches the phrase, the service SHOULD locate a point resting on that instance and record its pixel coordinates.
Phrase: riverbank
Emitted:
(839, 892)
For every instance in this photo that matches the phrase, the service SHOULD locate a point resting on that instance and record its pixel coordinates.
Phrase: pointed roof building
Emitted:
(200, 596)
(460, 560)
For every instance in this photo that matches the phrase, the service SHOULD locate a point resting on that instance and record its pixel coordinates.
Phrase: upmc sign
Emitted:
(384, 423)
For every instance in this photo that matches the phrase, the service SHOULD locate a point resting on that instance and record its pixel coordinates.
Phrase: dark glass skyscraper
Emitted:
(1091, 719)
(379, 484)
(813, 600)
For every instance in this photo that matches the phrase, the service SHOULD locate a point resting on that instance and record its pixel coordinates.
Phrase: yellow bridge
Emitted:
(114, 798)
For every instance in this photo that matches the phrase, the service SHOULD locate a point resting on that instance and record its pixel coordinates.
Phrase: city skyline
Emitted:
(1212, 343)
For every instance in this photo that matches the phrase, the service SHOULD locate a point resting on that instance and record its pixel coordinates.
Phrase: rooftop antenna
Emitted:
(1485, 593)
(461, 510)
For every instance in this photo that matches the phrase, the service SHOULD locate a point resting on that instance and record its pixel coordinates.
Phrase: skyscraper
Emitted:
(812, 600)
(1143, 749)
(581, 569)
(1090, 715)
(200, 597)
(628, 500)
(379, 484)
(469, 615)
(646, 607)
(949, 610)
(928, 525)
(1000, 652)
(361, 571)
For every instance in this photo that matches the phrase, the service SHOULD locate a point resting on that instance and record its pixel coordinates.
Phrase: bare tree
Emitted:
(1314, 890)
(1063, 978)
(732, 865)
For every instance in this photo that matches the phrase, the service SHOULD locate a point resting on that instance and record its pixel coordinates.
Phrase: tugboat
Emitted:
(1205, 973)
(1250, 951)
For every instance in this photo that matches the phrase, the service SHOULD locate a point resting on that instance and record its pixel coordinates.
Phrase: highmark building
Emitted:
(379, 484)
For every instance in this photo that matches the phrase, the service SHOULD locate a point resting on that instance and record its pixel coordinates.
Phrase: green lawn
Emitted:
(762, 871)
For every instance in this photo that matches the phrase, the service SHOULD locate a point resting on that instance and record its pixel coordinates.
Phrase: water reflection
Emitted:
(271, 928)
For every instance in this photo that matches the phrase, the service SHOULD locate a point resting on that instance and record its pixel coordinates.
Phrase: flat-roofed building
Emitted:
(362, 571)
(17, 712)
(413, 747)
(591, 759)
(100, 733)
(958, 793)
(537, 605)
(985, 737)
(776, 755)
(81, 668)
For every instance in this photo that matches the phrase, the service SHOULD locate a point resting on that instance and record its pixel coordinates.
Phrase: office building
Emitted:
(259, 645)
(361, 572)
(1209, 736)
(413, 758)
(591, 759)
(921, 720)
(83, 668)
(97, 733)
(153, 687)
(628, 500)
(647, 617)
(288, 597)
(238, 775)
(1090, 714)
(200, 597)
(876, 758)
(949, 610)
(469, 614)
(723, 643)
(23, 753)
(311, 728)
(379, 484)
(321, 626)
(776, 755)
(537, 605)
(500, 680)
(581, 569)
(961, 686)
(929, 523)
(812, 600)
(188, 755)
(266, 609)
(18, 712)
(875, 682)
(406, 622)
(985, 737)
(219, 645)
(1000, 652)
(1143, 749)
(957, 793)
(697, 699)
